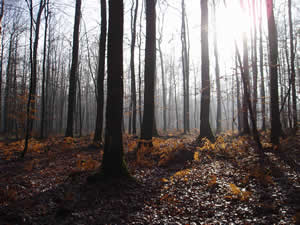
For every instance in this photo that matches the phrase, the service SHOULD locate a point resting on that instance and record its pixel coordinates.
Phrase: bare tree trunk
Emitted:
(132, 68)
(7, 91)
(273, 48)
(254, 62)
(1, 59)
(238, 98)
(140, 65)
(175, 96)
(293, 73)
(113, 159)
(150, 64)
(74, 71)
(246, 93)
(44, 72)
(33, 79)
(261, 67)
(185, 70)
(216, 53)
(205, 129)
(101, 74)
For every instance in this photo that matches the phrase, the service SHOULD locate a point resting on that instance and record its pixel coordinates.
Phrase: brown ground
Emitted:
(224, 184)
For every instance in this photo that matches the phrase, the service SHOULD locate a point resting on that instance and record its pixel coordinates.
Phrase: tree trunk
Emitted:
(101, 74)
(140, 66)
(74, 71)
(132, 68)
(150, 64)
(185, 70)
(33, 80)
(205, 130)
(113, 160)
(293, 72)
(44, 73)
(247, 95)
(254, 62)
(273, 48)
(163, 86)
(216, 53)
(238, 100)
(261, 67)
(7, 91)
(1, 59)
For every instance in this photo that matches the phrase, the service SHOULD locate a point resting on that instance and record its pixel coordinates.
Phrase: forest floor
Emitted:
(177, 182)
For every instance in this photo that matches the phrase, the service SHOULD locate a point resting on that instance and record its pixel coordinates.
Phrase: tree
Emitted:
(150, 63)
(1, 50)
(205, 130)
(293, 72)
(74, 71)
(132, 68)
(246, 128)
(273, 57)
(113, 164)
(163, 82)
(185, 69)
(33, 64)
(216, 53)
(101, 73)
(254, 61)
(44, 72)
(261, 69)
(248, 102)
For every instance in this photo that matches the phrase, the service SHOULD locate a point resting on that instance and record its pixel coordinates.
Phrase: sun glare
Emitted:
(232, 22)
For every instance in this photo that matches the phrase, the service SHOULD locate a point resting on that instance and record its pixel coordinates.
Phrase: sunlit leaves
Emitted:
(86, 163)
(237, 193)
(213, 181)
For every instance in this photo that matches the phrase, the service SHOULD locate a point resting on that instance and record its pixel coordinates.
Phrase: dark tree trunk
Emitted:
(163, 86)
(175, 96)
(7, 91)
(205, 130)
(238, 99)
(44, 73)
(185, 70)
(216, 53)
(113, 159)
(246, 128)
(261, 67)
(33, 80)
(1, 59)
(247, 96)
(273, 48)
(254, 62)
(132, 68)
(140, 67)
(293, 72)
(101, 74)
(74, 71)
(150, 63)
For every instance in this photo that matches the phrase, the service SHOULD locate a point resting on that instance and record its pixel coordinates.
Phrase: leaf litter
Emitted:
(177, 182)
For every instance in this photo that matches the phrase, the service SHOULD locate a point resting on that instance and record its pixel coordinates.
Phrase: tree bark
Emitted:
(101, 74)
(132, 68)
(273, 48)
(43, 105)
(293, 72)
(33, 79)
(150, 64)
(261, 68)
(205, 129)
(113, 159)
(216, 53)
(74, 71)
